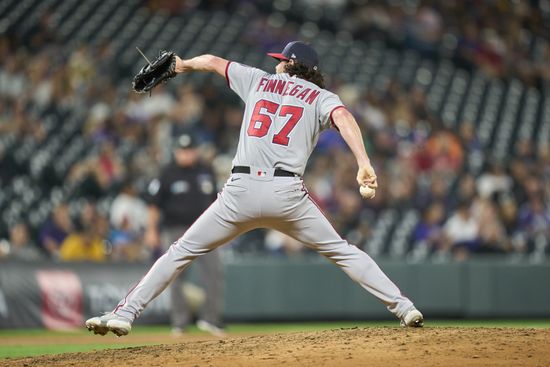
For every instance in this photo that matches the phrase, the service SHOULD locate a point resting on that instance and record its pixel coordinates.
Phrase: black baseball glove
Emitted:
(160, 70)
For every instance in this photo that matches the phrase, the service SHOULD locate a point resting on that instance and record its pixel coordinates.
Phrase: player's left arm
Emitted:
(208, 63)
(350, 131)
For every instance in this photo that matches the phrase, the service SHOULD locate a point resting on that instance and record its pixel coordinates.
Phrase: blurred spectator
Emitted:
(41, 83)
(424, 30)
(371, 112)
(493, 181)
(12, 77)
(466, 190)
(159, 104)
(93, 177)
(18, 246)
(87, 179)
(534, 222)
(110, 168)
(319, 180)
(188, 108)
(43, 32)
(87, 242)
(81, 68)
(128, 211)
(402, 186)
(128, 218)
(492, 234)
(462, 232)
(55, 230)
(429, 231)
(444, 152)
(436, 189)
(344, 216)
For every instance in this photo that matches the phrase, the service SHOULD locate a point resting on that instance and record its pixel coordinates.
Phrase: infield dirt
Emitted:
(341, 347)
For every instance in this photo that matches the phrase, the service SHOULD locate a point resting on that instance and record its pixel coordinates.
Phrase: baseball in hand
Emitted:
(367, 192)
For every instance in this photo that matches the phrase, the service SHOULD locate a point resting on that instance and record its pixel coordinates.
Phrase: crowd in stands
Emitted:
(498, 37)
(421, 164)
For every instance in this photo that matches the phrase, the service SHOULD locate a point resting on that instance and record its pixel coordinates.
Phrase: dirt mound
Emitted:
(341, 347)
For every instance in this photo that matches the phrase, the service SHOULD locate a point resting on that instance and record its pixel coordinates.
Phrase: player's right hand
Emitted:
(366, 176)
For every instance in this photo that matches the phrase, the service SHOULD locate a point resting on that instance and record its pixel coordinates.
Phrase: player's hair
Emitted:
(305, 72)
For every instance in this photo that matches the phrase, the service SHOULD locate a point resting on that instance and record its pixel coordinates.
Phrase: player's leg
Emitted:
(209, 231)
(216, 226)
(305, 222)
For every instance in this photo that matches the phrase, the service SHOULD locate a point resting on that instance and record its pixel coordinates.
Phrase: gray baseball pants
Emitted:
(211, 278)
(250, 201)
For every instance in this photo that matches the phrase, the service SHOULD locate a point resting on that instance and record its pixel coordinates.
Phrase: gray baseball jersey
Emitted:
(282, 120)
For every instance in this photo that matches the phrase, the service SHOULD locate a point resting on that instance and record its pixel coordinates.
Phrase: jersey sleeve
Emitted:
(242, 78)
(328, 103)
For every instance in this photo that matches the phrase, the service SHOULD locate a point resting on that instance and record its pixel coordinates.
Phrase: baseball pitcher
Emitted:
(285, 113)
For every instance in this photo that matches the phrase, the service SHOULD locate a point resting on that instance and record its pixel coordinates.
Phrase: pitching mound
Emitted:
(343, 347)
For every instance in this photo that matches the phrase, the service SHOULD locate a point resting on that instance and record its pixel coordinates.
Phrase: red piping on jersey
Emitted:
(315, 203)
(323, 214)
(226, 73)
(331, 119)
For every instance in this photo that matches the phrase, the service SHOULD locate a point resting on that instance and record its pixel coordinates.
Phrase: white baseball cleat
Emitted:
(116, 324)
(413, 318)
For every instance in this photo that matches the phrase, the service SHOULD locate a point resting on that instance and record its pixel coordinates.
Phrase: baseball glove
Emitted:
(160, 70)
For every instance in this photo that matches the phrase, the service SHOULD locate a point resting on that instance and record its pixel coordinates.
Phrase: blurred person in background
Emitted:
(445, 152)
(188, 109)
(110, 169)
(534, 222)
(429, 231)
(466, 188)
(493, 181)
(434, 188)
(19, 245)
(424, 30)
(345, 216)
(128, 218)
(43, 32)
(461, 231)
(87, 241)
(184, 189)
(87, 179)
(492, 234)
(55, 230)
(473, 148)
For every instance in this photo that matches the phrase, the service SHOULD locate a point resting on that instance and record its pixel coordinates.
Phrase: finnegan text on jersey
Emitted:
(288, 88)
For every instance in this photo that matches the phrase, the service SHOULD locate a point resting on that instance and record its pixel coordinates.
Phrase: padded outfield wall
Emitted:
(63, 295)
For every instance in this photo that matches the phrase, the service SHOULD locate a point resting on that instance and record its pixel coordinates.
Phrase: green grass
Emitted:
(25, 350)
(82, 331)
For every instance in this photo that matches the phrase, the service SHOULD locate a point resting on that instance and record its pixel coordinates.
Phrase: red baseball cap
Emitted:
(300, 52)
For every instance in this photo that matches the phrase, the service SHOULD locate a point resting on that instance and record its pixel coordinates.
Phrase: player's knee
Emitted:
(185, 249)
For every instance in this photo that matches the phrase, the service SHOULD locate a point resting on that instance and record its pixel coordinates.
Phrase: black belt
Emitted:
(278, 172)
